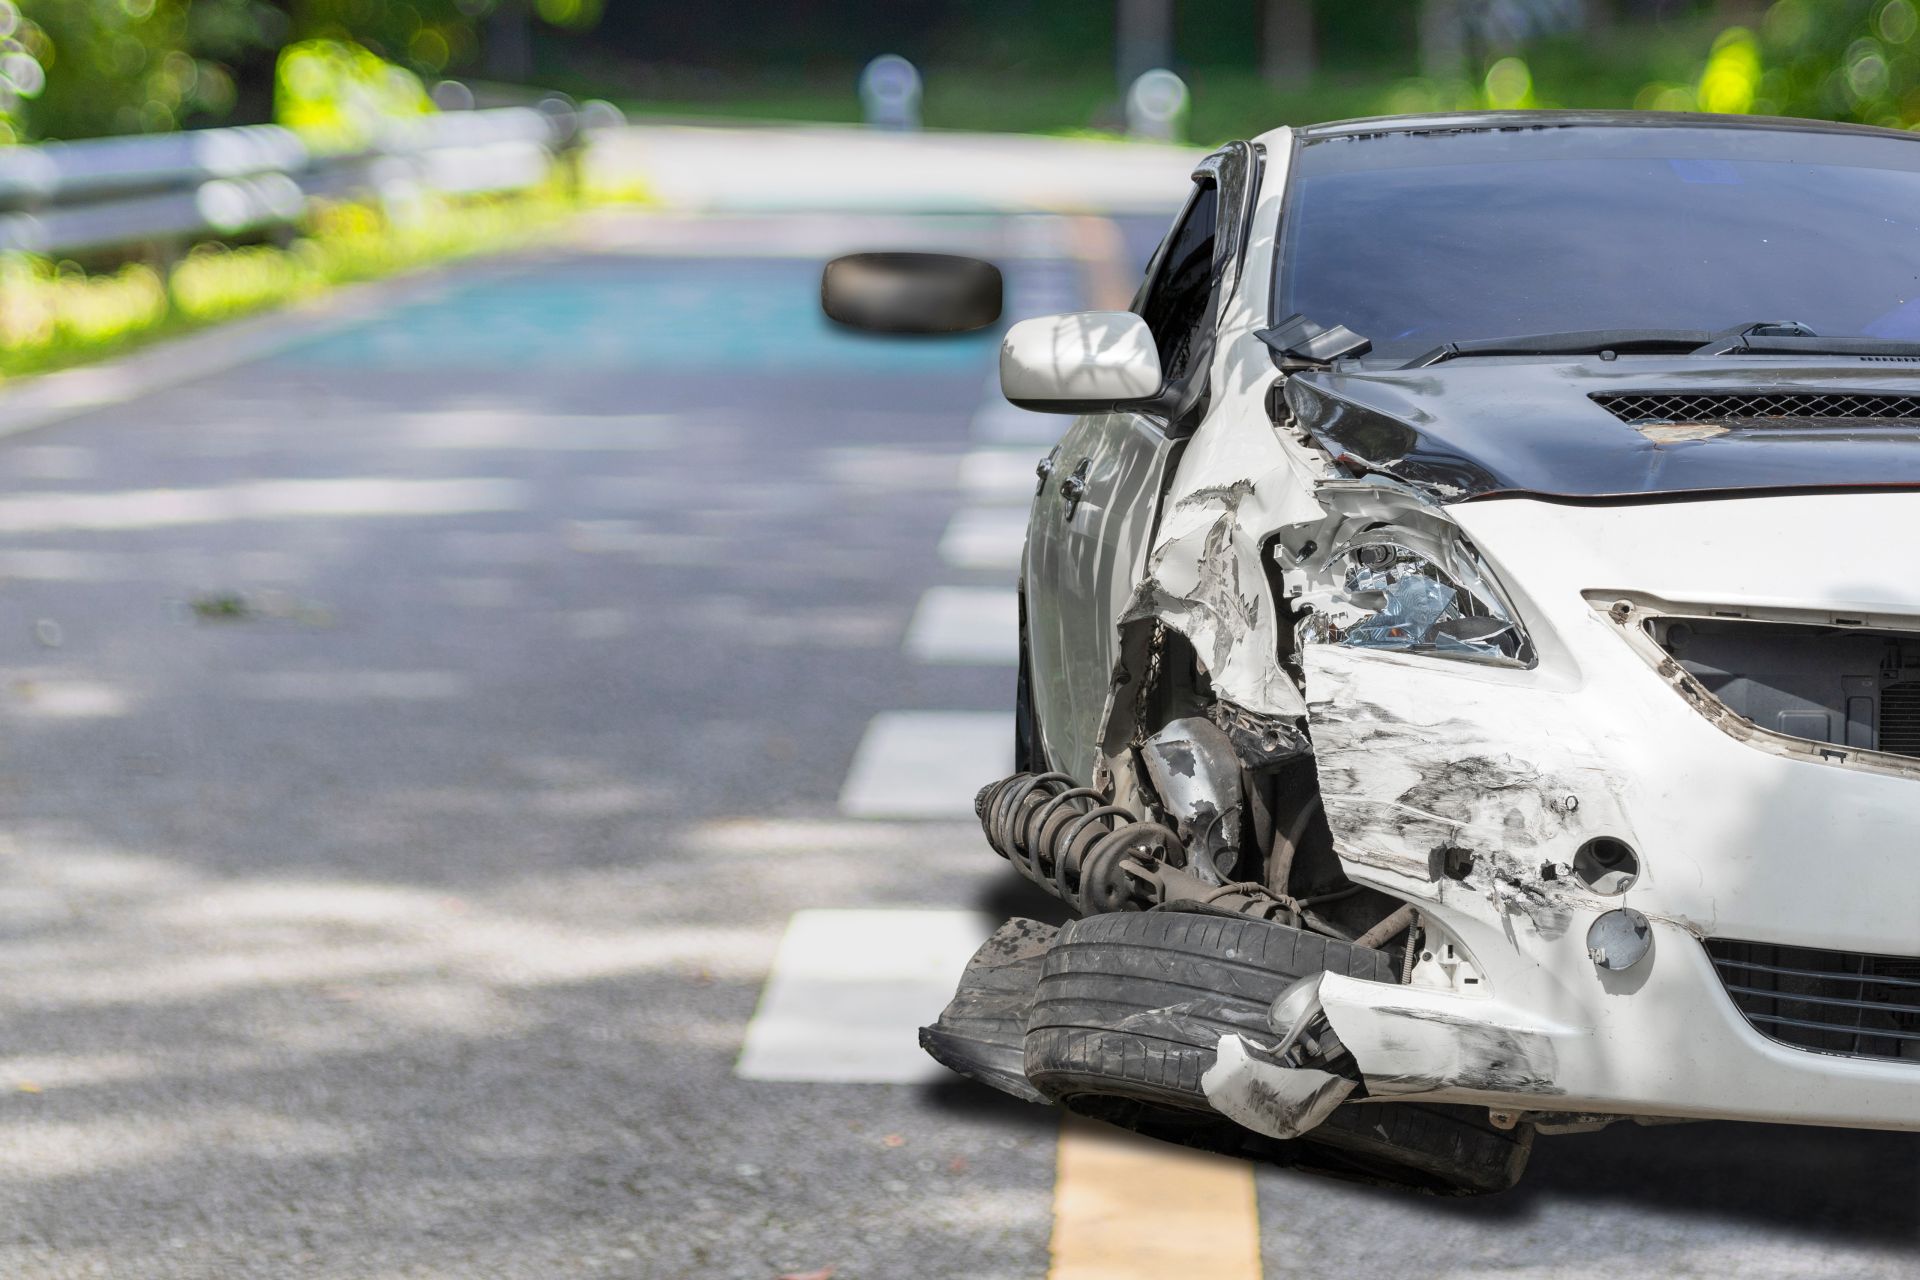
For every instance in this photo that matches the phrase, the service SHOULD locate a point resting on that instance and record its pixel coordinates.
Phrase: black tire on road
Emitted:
(1131, 1005)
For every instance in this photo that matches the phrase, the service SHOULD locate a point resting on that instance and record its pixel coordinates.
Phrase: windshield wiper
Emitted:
(1764, 337)
(1806, 344)
(1583, 343)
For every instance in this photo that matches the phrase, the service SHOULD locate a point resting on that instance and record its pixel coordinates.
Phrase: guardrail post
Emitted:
(890, 93)
(1157, 106)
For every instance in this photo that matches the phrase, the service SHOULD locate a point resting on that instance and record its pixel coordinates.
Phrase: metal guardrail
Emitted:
(74, 197)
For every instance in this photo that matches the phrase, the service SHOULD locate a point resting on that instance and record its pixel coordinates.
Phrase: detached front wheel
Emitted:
(1130, 1006)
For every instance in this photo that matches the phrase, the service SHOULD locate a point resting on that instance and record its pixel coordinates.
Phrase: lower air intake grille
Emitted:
(1843, 1002)
(1900, 718)
(1640, 408)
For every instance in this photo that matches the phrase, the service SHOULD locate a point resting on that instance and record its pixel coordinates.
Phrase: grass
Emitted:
(53, 315)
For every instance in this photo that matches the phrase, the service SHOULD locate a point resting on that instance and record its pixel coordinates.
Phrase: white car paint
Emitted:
(1088, 356)
(1736, 839)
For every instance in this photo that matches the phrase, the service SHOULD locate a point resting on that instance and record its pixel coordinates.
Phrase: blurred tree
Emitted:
(128, 66)
(1287, 49)
(24, 51)
(1143, 38)
(338, 95)
(137, 66)
(1828, 59)
(1844, 59)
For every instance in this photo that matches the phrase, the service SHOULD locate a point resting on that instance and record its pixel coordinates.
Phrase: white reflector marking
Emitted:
(966, 624)
(927, 764)
(850, 990)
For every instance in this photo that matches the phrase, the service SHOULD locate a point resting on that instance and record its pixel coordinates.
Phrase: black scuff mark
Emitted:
(1482, 816)
(1281, 1113)
(1491, 1059)
(1454, 789)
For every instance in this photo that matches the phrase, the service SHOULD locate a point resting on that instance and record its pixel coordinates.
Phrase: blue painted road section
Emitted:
(685, 316)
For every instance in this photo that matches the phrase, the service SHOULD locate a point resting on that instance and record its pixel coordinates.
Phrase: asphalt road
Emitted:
(417, 742)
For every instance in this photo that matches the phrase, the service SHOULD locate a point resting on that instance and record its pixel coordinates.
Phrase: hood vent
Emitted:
(1771, 408)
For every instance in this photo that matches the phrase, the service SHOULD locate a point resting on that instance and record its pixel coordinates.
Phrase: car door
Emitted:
(1100, 489)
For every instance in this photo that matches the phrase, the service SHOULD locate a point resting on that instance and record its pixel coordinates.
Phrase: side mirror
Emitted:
(911, 292)
(1086, 362)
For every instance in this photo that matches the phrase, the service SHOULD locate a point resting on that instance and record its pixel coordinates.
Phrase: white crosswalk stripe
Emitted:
(985, 538)
(848, 989)
(966, 624)
(927, 764)
(1001, 423)
(1000, 476)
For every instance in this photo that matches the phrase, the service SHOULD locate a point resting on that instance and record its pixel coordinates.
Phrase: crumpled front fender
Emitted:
(1205, 580)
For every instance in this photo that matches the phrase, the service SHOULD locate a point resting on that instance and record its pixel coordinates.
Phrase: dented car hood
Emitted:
(1484, 426)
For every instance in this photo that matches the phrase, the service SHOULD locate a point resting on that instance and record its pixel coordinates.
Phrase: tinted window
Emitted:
(1176, 308)
(1416, 240)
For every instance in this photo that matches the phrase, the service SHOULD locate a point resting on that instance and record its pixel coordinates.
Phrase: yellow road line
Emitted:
(1126, 1206)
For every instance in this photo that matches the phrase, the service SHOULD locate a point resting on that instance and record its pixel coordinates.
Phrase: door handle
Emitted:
(1074, 487)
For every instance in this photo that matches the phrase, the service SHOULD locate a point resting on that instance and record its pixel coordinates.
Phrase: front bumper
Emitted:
(1427, 766)
(1676, 1048)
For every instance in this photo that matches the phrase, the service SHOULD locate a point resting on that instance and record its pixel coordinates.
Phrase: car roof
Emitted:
(1484, 121)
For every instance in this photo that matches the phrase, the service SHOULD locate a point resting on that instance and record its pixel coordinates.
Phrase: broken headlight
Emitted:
(1392, 589)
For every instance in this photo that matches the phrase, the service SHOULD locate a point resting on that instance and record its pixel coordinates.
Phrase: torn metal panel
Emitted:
(1253, 1087)
(1197, 775)
(1204, 575)
(1204, 579)
(1260, 741)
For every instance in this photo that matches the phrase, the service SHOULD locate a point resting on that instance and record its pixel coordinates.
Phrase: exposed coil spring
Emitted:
(1068, 839)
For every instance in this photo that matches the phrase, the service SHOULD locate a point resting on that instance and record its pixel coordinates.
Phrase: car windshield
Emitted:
(1416, 240)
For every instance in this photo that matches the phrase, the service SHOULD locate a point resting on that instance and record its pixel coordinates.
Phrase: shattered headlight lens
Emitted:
(1434, 599)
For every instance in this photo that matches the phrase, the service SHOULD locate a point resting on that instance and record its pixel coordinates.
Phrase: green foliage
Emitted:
(144, 66)
(1842, 59)
(428, 37)
(337, 96)
(24, 52)
(124, 66)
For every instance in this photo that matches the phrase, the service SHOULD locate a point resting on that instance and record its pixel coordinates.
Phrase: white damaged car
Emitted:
(1470, 679)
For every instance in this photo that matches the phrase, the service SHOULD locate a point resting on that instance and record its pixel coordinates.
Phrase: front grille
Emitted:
(1900, 718)
(1781, 407)
(1844, 1002)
